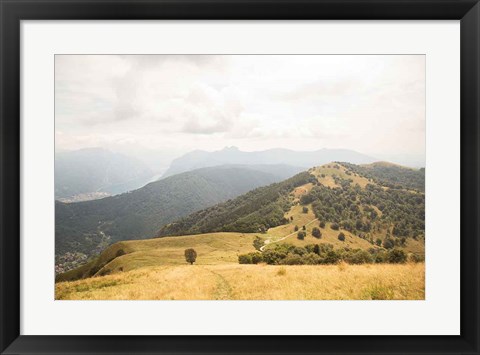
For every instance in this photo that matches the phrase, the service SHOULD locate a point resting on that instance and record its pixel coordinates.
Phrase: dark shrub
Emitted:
(296, 228)
(300, 251)
(359, 257)
(316, 232)
(272, 257)
(322, 224)
(396, 256)
(330, 257)
(380, 256)
(335, 226)
(305, 209)
(256, 258)
(292, 259)
(301, 235)
(312, 259)
(245, 259)
(417, 258)
(341, 236)
(119, 252)
(388, 243)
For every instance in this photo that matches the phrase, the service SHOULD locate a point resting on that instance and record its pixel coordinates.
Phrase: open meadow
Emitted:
(254, 282)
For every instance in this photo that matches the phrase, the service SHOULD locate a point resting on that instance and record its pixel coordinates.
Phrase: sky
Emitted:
(157, 107)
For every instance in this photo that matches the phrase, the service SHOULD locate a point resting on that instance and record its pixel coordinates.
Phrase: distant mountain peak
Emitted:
(231, 149)
(276, 156)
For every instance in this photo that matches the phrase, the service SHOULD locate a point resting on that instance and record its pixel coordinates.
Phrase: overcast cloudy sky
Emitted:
(169, 105)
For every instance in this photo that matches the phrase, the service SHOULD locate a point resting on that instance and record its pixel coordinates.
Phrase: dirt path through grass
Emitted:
(223, 290)
(269, 241)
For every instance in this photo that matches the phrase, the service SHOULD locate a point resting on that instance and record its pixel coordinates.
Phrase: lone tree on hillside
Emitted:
(316, 232)
(257, 243)
(304, 228)
(322, 224)
(301, 235)
(341, 237)
(296, 228)
(190, 256)
(305, 209)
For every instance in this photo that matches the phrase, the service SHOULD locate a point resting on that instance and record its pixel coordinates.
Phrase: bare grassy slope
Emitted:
(254, 282)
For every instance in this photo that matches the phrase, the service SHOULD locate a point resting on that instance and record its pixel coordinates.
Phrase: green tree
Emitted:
(335, 226)
(396, 256)
(316, 232)
(341, 236)
(301, 235)
(296, 228)
(322, 224)
(305, 209)
(190, 255)
(304, 228)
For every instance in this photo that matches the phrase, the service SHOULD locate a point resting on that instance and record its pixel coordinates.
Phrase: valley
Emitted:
(85, 227)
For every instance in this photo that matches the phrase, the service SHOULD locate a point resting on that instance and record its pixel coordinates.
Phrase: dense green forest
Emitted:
(391, 206)
(372, 209)
(256, 211)
(390, 175)
(88, 227)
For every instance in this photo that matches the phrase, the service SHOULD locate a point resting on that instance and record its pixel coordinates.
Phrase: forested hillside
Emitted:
(255, 211)
(381, 203)
(88, 227)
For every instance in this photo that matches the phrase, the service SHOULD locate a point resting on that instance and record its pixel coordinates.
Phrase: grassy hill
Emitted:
(90, 226)
(334, 198)
(375, 202)
(253, 282)
(156, 269)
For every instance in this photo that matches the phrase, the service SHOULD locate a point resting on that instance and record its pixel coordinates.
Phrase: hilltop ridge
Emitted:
(233, 155)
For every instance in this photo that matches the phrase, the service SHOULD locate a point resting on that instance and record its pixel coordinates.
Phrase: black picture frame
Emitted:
(12, 12)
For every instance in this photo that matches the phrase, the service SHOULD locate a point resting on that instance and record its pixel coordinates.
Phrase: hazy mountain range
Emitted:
(97, 170)
(232, 155)
(94, 173)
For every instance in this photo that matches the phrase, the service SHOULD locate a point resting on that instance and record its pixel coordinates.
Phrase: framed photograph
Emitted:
(239, 177)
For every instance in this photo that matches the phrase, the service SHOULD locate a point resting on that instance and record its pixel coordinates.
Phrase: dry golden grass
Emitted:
(299, 219)
(329, 170)
(254, 282)
(302, 190)
(212, 248)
